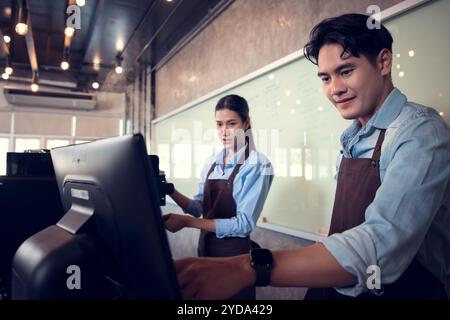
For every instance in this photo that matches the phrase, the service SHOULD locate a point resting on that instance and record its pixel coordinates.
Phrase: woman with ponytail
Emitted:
(233, 187)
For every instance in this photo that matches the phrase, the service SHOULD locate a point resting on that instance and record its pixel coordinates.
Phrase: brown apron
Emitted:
(357, 184)
(218, 203)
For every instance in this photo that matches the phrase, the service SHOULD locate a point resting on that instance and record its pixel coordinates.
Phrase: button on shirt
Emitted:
(250, 188)
(410, 214)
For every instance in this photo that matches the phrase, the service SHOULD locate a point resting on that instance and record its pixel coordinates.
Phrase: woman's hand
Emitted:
(176, 222)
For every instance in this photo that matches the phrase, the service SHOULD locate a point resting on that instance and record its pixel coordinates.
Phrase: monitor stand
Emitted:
(60, 262)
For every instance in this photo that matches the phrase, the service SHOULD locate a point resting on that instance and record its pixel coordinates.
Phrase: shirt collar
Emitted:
(388, 112)
(221, 155)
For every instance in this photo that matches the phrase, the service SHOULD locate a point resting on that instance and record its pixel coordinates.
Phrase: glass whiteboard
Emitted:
(297, 128)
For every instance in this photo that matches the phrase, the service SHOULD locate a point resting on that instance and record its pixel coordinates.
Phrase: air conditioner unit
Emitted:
(50, 99)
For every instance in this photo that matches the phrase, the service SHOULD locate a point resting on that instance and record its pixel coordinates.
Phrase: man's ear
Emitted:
(384, 61)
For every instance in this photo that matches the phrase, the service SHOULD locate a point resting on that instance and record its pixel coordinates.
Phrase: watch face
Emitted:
(262, 263)
(261, 257)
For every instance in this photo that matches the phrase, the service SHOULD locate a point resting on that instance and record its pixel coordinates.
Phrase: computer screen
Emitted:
(108, 190)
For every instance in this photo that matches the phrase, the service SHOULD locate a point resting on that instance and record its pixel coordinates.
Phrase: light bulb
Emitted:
(7, 39)
(69, 31)
(81, 3)
(34, 87)
(5, 76)
(21, 28)
(65, 65)
(95, 85)
(119, 69)
(8, 71)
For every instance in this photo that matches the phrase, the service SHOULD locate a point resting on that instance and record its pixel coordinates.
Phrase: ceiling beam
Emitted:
(30, 41)
(87, 43)
(67, 39)
(3, 44)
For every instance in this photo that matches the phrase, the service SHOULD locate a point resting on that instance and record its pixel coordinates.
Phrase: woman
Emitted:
(233, 187)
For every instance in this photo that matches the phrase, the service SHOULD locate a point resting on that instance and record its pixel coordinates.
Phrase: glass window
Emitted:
(4, 148)
(182, 161)
(54, 143)
(280, 163)
(308, 164)
(296, 169)
(23, 144)
(324, 164)
(164, 158)
(201, 154)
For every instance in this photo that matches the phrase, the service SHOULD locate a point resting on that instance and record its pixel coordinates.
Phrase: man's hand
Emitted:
(176, 222)
(214, 278)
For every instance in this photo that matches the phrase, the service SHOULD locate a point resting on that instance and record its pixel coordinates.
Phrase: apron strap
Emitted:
(236, 168)
(211, 169)
(239, 164)
(377, 151)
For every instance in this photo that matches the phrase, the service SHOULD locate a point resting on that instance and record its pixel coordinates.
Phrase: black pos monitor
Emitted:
(112, 235)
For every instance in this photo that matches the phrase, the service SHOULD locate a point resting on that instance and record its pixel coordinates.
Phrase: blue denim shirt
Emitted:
(410, 215)
(250, 188)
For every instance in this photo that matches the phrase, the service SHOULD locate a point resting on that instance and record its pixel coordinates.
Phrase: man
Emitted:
(391, 217)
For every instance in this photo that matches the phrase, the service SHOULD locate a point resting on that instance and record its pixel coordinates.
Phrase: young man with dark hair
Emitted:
(389, 236)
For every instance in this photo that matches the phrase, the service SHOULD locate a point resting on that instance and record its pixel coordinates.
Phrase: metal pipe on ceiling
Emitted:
(147, 45)
(149, 11)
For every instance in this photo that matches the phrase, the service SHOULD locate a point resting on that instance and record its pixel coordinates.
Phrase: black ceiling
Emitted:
(139, 31)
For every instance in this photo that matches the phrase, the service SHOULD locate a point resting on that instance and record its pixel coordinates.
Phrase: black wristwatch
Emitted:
(262, 261)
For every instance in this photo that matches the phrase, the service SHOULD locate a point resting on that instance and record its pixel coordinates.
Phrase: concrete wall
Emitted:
(248, 35)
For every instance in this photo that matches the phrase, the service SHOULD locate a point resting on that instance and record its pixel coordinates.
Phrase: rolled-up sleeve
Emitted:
(194, 208)
(396, 222)
(249, 202)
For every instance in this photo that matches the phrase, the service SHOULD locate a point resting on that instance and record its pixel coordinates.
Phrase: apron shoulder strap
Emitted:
(239, 164)
(213, 165)
(234, 173)
(206, 190)
(377, 151)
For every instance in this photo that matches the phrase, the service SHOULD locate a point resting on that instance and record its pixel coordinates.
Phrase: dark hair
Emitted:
(234, 103)
(352, 33)
(239, 105)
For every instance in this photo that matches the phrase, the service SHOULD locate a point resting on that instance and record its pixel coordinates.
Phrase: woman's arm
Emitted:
(250, 194)
(249, 202)
(176, 222)
(180, 199)
(194, 206)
